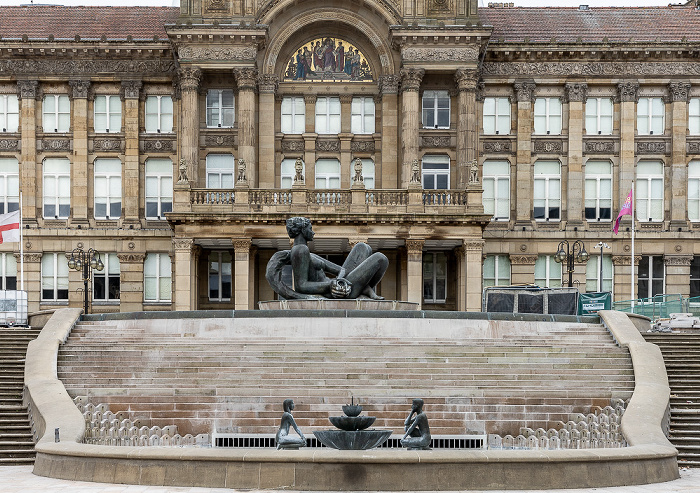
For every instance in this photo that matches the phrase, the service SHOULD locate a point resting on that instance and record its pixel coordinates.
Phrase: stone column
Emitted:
(246, 80)
(267, 87)
(678, 274)
(79, 93)
(576, 94)
(345, 138)
(131, 281)
(388, 89)
(621, 272)
(414, 270)
(473, 251)
(189, 118)
(628, 94)
(32, 279)
(679, 92)
(184, 271)
(524, 90)
(522, 269)
(467, 124)
(241, 271)
(28, 93)
(130, 95)
(410, 120)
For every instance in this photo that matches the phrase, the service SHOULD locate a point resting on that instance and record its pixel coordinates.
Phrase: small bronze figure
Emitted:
(284, 441)
(417, 435)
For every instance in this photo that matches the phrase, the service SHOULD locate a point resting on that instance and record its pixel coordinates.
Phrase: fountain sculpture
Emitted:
(352, 432)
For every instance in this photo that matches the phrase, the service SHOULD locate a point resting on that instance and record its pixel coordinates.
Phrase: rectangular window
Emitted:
(650, 116)
(9, 112)
(496, 270)
(547, 116)
(220, 169)
(9, 185)
(56, 113)
(108, 114)
(496, 196)
(54, 277)
(327, 115)
(598, 190)
(220, 276)
(695, 278)
(496, 116)
(287, 172)
(694, 190)
(159, 188)
(157, 277)
(327, 173)
(108, 188)
(436, 172)
(220, 111)
(599, 116)
(694, 116)
(650, 191)
(8, 263)
(547, 191)
(293, 115)
(105, 283)
(56, 188)
(434, 278)
(650, 276)
(436, 109)
(547, 272)
(593, 274)
(362, 115)
(159, 114)
(367, 172)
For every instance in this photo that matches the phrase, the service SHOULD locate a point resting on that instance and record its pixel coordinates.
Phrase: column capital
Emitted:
(525, 90)
(523, 259)
(32, 257)
(414, 247)
(185, 244)
(626, 259)
(28, 89)
(354, 241)
(242, 245)
(310, 98)
(246, 78)
(411, 79)
(388, 84)
(473, 245)
(80, 89)
(189, 78)
(131, 258)
(346, 98)
(628, 91)
(679, 91)
(131, 89)
(268, 83)
(576, 92)
(466, 79)
(685, 260)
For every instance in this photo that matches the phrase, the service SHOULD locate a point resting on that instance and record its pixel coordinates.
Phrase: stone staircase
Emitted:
(681, 352)
(237, 383)
(16, 440)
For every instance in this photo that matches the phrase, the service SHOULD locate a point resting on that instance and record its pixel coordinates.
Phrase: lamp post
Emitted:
(601, 245)
(575, 252)
(85, 262)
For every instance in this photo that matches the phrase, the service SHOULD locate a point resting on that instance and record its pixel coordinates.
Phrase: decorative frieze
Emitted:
(628, 91)
(439, 54)
(679, 91)
(328, 145)
(598, 147)
(219, 140)
(246, 78)
(591, 69)
(548, 146)
(55, 145)
(131, 89)
(28, 89)
(389, 84)
(9, 144)
(693, 147)
(362, 146)
(293, 146)
(524, 90)
(576, 91)
(160, 145)
(657, 147)
(106, 145)
(523, 259)
(73, 67)
(498, 146)
(411, 79)
(198, 53)
(436, 141)
(80, 89)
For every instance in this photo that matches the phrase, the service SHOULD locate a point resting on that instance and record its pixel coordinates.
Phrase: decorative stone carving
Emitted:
(430, 141)
(293, 146)
(524, 90)
(473, 172)
(473, 245)
(548, 146)
(203, 53)
(357, 165)
(221, 6)
(80, 89)
(246, 78)
(415, 172)
(414, 247)
(591, 69)
(683, 260)
(466, 79)
(74, 67)
(628, 91)
(498, 146)
(268, 83)
(362, 146)
(55, 145)
(679, 91)
(299, 172)
(131, 258)
(107, 145)
(576, 91)
(411, 79)
(183, 244)
(182, 169)
(241, 176)
(189, 78)
(9, 144)
(32, 257)
(626, 259)
(439, 6)
(28, 89)
(158, 145)
(693, 147)
(598, 147)
(523, 259)
(346, 98)
(389, 84)
(658, 147)
(131, 89)
(328, 145)
(242, 245)
(440, 54)
(309, 98)
(226, 140)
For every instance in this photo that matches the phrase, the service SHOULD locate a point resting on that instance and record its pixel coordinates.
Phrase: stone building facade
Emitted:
(464, 143)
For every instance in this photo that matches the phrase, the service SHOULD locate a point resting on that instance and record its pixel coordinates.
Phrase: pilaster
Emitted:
(28, 92)
(32, 276)
(246, 80)
(80, 90)
(189, 78)
(679, 93)
(267, 88)
(678, 274)
(131, 281)
(414, 270)
(410, 119)
(473, 251)
(576, 94)
(242, 297)
(524, 90)
(522, 269)
(467, 125)
(130, 94)
(628, 95)
(389, 88)
(624, 289)
(184, 272)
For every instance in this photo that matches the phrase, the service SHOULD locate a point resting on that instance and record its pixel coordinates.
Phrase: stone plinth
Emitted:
(327, 304)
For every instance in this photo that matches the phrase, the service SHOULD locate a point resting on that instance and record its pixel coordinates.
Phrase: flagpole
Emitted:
(632, 262)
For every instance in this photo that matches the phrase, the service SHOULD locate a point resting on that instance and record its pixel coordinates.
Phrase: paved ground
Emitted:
(19, 479)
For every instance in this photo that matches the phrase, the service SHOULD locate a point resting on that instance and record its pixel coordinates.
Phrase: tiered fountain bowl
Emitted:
(352, 433)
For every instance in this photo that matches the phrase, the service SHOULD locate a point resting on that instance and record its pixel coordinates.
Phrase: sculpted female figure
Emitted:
(417, 435)
(284, 440)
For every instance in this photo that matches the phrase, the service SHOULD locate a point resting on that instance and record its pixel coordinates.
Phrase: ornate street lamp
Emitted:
(569, 254)
(85, 262)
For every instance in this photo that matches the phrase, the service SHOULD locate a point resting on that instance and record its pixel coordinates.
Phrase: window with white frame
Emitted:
(694, 190)
(220, 170)
(496, 270)
(436, 109)
(496, 116)
(157, 274)
(9, 185)
(56, 188)
(105, 283)
(496, 195)
(650, 276)
(288, 172)
(327, 173)
(650, 116)
(159, 114)
(436, 172)
(8, 276)
(159, 188)
(694, 116)
(547, 116)
(108, 188)
(54, 277)
(598, 190)
(108, 114)
(328, 115)
(434, 277)
(367, 172)
(9, 112)
(547, 191)
(220, 111)
(220, 276)
(593, 274)
(293, 115)
(362, 121)
(56, 113)
(649, 202)
(599, 116)
(547, 272)
(695, 278)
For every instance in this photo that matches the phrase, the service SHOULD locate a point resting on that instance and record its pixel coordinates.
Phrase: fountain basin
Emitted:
(352, 423)
(352, 440)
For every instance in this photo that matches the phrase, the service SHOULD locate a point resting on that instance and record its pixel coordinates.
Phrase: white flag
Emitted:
(9, 227)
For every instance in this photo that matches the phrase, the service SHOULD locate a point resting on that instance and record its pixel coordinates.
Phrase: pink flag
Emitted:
(625, 211)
